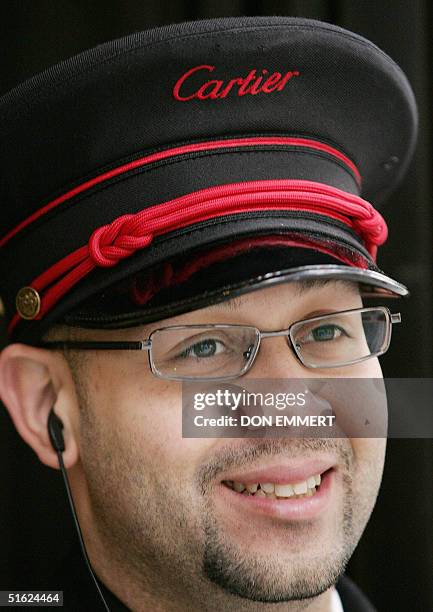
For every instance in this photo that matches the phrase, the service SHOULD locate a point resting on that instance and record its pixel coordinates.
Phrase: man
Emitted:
(188, 190)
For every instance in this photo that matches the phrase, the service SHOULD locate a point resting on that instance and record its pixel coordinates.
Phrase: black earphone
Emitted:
(55, 427)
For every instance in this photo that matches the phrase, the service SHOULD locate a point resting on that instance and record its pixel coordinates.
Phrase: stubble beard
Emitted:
(289, 577)
(175, 548)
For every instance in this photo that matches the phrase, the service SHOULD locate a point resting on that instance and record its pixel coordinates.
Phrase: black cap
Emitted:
(256, 146)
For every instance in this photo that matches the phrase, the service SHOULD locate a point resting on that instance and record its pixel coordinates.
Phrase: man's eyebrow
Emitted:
(303, 286)
(233, 304)
(317, 283)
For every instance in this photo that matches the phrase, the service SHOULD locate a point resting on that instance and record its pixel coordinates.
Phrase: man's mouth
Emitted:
(297, 490)
(278, 490)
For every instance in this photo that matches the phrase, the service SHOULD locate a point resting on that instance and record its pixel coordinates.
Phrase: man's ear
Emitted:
(32, 382)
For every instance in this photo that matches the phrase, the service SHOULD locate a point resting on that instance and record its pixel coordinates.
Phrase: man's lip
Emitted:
(292, 509)
(293, 471)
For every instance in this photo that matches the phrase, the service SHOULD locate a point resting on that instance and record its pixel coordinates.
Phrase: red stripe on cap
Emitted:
(190, 148)
(127, 234)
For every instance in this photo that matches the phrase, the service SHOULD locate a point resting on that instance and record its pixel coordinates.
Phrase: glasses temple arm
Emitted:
(140, 345)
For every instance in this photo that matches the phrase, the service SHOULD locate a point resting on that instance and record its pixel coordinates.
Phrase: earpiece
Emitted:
(55, 427)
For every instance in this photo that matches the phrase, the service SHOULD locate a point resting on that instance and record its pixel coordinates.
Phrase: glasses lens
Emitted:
(209, 352)
(341, 338)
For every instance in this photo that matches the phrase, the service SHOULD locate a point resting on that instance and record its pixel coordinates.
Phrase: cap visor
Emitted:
(199, 280)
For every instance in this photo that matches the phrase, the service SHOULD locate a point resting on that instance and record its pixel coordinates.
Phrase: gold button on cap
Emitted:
(28, 303)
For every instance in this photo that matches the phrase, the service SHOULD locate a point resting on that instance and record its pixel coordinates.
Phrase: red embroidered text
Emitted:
(256, 81)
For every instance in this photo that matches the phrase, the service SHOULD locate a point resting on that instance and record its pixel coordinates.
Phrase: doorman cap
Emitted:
(197, 144)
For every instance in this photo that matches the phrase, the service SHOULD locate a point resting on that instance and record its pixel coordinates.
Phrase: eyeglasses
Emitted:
(223, 352)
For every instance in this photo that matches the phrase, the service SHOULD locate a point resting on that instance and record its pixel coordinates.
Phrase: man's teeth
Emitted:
(238, 486)
(306, 488)
(284, 490)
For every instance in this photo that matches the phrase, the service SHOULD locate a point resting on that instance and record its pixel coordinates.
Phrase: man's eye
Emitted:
(205, 348)
(323, 333)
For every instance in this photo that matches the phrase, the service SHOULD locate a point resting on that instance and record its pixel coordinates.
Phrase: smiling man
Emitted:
(163, 232)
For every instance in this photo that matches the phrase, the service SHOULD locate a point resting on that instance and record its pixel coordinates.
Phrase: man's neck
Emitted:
(124, 595)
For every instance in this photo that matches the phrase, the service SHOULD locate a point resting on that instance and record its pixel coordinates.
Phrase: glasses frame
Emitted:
(146, 344)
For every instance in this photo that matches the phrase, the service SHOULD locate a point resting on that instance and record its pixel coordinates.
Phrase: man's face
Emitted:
(159, 504)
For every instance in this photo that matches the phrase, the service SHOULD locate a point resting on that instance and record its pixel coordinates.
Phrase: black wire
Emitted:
(77, 525)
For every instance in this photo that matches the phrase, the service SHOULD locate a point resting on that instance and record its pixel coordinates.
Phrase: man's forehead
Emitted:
(296, 289)
(319, 290)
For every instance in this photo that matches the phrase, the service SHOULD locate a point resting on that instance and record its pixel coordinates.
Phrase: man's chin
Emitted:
(266, 579)
(268, 591)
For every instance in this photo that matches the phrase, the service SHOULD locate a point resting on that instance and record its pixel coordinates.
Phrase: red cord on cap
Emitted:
(212, 145)
(120, 239)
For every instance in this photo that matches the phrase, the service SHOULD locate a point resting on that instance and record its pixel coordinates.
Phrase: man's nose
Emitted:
(276, 359)
(277, 374)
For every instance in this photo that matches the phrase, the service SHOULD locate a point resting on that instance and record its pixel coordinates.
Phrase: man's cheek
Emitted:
(371, 451)
(157, 428)
(369, 454)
